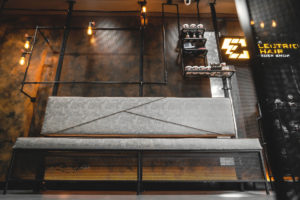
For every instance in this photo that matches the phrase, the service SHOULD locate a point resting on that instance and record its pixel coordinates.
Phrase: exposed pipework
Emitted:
(63, 47)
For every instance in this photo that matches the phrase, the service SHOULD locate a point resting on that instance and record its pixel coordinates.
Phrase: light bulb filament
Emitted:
(27, 44)
(90, 28)
(144, 9)
(22, 60)
(90, 31)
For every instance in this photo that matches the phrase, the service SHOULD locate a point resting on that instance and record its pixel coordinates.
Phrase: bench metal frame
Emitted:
(39, 176)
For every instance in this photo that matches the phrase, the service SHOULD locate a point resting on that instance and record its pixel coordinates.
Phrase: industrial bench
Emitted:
(142, 146)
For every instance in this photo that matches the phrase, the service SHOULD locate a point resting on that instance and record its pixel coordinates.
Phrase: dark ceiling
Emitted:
(226, 7)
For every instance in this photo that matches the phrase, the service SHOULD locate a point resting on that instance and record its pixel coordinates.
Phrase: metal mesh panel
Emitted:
(279, 89)
(202, 167)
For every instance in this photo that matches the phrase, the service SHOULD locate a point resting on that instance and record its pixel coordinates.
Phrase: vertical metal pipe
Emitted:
(9, 171)
(139, 172)
(142, 41)
(2, 6)
(178, 19)
(264, 171)
(215, 24)
(198, 12)
(63, 47)
(164, 43)
(225, 87)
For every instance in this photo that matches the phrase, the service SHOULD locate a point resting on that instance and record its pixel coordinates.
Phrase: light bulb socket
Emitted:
(28, 38)
(142, 3)
(92, 24)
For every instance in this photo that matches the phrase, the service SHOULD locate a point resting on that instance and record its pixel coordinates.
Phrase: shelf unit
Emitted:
(193, 47)
(209, 73)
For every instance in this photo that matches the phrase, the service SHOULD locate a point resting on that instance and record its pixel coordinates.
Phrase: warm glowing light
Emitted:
(274, 23)
(27, 44)
(252, 22)
(90, 31)
(144, 21)
(22, 60)
(262, 25)
(90, 28)
(244, 55)
(144, 9)
(232, 44)
(92, 40)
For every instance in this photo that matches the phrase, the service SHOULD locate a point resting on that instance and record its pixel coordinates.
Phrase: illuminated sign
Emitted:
(235, 48)
(276, 50)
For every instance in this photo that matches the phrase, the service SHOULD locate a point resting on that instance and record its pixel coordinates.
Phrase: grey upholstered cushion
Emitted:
(142, 117)
(137, 144)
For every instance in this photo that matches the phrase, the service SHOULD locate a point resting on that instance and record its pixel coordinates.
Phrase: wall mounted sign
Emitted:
(235, 48)
(277, 50)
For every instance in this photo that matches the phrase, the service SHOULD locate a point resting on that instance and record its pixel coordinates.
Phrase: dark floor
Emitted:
(77, 195)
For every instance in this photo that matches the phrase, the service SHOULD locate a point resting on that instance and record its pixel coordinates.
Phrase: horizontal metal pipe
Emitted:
(106, 11)
(34, 10)
(91, 82)
(80, 82)
(155, 83)
(65, 10)
(82, 28)
(95, 54)
(109, 29)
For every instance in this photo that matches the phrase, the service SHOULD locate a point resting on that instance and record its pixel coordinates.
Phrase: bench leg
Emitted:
(40, 174)
(9, 171)
(264, 172)
(139, 173)
(242, 187)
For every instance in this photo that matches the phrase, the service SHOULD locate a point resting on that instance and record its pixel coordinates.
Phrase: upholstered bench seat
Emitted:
(137, 144)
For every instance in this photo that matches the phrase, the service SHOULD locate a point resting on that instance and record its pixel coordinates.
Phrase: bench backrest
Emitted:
(138, 117)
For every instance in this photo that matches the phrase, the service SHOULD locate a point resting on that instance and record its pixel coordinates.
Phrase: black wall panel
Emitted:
(277, 83)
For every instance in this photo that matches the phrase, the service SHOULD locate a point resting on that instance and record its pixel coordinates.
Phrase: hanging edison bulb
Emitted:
(22, 59)
(90, 31)
(262, 25)
(274, 24)
(144, 9)
(90, 28)
(27, 44)
(144, 20)
(252, 22)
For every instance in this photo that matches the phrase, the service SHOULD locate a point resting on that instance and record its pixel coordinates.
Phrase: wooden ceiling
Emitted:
(225, 7)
